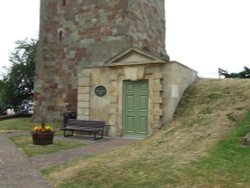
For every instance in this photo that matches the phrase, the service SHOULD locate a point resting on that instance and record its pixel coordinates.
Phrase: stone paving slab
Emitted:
(16, 171)
(93, 147)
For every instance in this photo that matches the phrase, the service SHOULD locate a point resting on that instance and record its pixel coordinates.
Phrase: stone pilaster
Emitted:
(157, 100)
(113, 111)
(84, 83)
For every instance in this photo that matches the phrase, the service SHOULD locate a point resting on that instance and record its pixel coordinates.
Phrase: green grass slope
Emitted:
(199, 148)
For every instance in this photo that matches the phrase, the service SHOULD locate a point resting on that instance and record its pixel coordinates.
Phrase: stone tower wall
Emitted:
(146, 21)
(86, 33)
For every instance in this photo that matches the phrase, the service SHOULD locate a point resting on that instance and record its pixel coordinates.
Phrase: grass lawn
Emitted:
(228, 164)
(24, 124)
(201, 147)
(18, 124)
(25, 143)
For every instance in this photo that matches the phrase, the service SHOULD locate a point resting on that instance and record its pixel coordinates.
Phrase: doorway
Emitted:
(135, 108)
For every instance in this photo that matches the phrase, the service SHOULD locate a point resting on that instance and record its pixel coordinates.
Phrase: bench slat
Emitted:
(90, 126)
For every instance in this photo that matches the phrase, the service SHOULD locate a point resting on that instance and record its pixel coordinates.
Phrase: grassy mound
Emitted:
(199, 148)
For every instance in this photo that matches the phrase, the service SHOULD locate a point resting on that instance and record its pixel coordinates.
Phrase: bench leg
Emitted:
(67, 135)
(101, 135)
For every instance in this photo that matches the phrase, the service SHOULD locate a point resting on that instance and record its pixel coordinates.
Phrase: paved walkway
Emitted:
(18, 171)
(95, 147)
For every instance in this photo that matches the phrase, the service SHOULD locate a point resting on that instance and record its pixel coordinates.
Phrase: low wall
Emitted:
(176, 79)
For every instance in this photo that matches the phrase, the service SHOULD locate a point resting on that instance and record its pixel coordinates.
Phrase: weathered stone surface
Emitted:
(162, 101)
(83, 97)
(158, 75)
(84, 104)
(146, 22)
(80, 49)
(86, 33)
(83, 82)
(84, 90)
(177, 78)
(158, 100)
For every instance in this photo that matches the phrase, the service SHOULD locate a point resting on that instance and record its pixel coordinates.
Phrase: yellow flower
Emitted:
(36, 128)
(46, 128)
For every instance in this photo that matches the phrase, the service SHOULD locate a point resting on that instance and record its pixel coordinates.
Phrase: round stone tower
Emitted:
(78, 34)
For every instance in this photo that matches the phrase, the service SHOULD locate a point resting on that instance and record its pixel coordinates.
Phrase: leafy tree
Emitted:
(242, 74)
(18, 83)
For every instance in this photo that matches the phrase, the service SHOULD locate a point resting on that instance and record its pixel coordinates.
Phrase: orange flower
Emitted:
(45, 128)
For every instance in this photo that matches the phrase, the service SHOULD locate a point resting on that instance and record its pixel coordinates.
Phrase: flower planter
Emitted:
(42, 138)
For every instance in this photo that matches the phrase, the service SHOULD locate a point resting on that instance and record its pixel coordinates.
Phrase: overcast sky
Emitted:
(202, 34)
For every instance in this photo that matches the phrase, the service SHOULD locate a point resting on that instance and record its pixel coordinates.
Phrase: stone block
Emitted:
(157, 112)
(156, 118)
(83, 117)
(86, 112)
(158, 75)
(113, 77)
(157, 106)
(134, 73)
(84, 90)
(157, 125)
(83, 97)
(112, 111)
(157, 82)
(72, 54)
(85, 73)
(114, 94)
(83, 104)
(83, 112)
(84, 82)
(114, 99)
(158, 87)
(174, 91)
(79, 112)
(113, 106)
(112, 120)
(158, 100)
(114, 84)
(157, 94)
(87, 42)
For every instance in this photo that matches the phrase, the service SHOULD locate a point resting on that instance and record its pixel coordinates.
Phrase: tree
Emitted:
(242, 74)
(18, 83)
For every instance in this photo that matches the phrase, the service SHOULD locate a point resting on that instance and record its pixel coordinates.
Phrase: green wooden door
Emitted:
(135, 108)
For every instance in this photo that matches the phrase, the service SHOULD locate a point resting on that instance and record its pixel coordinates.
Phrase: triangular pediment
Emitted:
(133, 56)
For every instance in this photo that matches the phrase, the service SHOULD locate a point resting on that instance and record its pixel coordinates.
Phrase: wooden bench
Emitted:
(88, 126)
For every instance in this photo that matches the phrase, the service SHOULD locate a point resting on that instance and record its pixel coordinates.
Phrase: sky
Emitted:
(202, 34)
(19, 20)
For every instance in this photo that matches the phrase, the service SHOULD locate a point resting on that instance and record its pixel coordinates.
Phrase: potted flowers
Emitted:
(43, 134)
